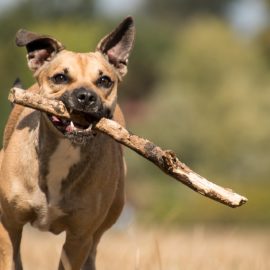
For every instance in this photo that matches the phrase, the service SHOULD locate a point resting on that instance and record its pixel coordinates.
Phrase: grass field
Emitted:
(161, 249)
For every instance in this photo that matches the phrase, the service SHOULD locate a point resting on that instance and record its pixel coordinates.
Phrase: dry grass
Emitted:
(156, 249)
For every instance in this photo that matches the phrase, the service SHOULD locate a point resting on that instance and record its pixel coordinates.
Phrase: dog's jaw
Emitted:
(80, 128)
(77, 133)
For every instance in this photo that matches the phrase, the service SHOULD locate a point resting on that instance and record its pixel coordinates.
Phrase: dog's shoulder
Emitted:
(14, 116)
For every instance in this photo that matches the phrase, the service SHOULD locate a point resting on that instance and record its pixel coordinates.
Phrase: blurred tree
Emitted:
(58, 8)
(211, 107)
(185, 8)
(263, 41)
(144, 62)
(216, 90)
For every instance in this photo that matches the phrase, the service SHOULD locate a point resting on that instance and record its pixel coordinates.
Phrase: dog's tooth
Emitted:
(72, 125)
(90, 127)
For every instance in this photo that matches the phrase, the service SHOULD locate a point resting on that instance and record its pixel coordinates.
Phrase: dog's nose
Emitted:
(86, 97)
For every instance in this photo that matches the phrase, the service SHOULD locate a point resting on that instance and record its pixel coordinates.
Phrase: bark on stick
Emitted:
(166, 160)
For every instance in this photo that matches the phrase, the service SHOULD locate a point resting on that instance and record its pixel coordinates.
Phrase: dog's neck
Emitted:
(49, 135)
(59, 157)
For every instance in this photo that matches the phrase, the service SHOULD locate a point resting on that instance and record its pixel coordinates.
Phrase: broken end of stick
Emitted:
(237, 200)
(242, 200)
(226, 197)
(230, 199)
(11, 95)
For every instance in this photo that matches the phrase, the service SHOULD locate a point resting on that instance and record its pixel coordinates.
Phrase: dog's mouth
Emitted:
(78, 128)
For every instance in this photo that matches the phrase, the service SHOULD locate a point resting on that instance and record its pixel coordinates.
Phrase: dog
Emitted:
(62, 175)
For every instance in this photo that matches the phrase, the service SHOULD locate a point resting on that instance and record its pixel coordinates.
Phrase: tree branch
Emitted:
(166, 160)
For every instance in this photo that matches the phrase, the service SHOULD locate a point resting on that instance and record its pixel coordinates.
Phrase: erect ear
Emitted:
(40, 48)
(117, 45)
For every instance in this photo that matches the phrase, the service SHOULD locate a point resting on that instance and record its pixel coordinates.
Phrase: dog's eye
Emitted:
(104, 82)
(60, 78)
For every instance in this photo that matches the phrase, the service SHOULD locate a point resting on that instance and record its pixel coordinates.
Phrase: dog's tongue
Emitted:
(78, 123)
(55, 119)
(69, 128)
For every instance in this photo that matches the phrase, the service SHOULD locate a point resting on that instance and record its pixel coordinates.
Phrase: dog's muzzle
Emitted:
(86, 109)
(85, 100)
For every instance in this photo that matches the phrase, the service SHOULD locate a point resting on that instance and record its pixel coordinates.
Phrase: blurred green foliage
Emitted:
(193, 86)
(211, 107)
(185, 8)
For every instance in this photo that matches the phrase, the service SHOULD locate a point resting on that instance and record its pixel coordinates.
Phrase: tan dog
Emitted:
(59, 175)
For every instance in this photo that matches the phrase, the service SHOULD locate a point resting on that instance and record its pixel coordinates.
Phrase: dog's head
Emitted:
(85, 82)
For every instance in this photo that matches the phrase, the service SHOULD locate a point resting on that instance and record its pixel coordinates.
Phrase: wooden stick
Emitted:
(36, 101)
(166, 160)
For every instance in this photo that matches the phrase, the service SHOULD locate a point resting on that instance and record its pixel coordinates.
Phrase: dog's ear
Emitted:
(40, 48)
(117, 45)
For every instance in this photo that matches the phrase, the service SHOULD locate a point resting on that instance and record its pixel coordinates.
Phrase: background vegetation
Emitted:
(195, 85)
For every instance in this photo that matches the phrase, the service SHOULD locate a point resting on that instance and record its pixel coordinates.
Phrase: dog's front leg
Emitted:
(75, 251)
(5, 249)
(11, 238)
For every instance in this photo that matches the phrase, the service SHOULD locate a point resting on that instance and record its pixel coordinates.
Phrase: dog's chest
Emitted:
(61, 161)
